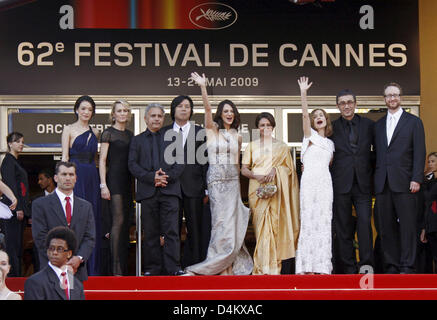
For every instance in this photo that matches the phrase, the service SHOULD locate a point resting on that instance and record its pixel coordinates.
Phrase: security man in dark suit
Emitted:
(159, 191)
(191, 139)
(400, 160)
(56, 210)
(352, 173)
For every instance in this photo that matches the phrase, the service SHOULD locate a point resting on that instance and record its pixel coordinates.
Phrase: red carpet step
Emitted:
(284, 287)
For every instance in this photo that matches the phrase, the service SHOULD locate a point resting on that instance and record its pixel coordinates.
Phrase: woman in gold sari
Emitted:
(267, 161)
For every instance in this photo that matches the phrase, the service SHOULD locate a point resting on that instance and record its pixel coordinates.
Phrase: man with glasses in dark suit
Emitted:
(352, 174)
(55, 281)
(400, 160)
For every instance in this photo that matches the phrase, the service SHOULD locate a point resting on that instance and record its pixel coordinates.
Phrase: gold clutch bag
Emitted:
(266, 191)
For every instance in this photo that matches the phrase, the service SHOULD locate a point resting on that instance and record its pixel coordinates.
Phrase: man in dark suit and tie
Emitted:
(191, 139)
(63, 208)
(400, 160)
(47, 185)
(352, 173)
(158, 191)
(55, 281)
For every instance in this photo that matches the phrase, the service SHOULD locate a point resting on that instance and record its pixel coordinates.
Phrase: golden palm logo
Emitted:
(213, 15)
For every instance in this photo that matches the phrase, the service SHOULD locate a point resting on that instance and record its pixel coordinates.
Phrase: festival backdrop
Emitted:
(150, 47)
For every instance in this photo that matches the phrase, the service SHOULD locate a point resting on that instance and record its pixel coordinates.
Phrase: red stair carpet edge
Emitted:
(283, 287)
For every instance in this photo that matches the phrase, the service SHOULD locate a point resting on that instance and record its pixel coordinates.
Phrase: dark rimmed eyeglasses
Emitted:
(57, 249)
(344, 103)
(395, 95)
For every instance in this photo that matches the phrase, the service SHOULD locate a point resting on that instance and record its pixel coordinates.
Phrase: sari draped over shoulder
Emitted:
(276, 219)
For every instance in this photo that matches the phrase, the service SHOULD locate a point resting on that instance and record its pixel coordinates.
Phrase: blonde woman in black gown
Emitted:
(116, 183)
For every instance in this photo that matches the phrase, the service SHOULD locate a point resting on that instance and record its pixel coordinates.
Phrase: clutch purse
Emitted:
(5, 212)
(266, 191)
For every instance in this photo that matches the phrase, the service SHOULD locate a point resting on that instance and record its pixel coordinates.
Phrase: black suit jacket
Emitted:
(45, 285)
(15, 177)
(403, 160)
(346, 163)
(193, 177)
(47, 213)
(140, 164)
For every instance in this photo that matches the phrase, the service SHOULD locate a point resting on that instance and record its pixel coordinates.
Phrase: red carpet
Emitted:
(313, 287)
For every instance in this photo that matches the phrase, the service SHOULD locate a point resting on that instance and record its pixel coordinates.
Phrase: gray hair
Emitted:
(154, 105)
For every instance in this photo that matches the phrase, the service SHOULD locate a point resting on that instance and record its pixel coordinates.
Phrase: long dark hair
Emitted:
(218, 115)
(80, 100)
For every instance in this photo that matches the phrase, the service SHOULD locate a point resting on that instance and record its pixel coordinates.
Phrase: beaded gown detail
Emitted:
(229, 216)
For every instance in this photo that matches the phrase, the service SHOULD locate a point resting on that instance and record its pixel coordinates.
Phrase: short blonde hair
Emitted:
(328, 130)
(125, 104)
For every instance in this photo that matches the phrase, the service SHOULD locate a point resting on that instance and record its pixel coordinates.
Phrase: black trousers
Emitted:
(13, 230)
(198, 226)
(396, 217)
(432, 240)
(159, 217)
(344, 226)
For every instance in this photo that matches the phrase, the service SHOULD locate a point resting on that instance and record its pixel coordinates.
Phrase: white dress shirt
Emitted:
(392, 122)
(58, 272)
(62, 197)
(185, 130)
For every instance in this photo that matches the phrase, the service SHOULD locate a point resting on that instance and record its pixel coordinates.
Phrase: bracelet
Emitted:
(102, 185)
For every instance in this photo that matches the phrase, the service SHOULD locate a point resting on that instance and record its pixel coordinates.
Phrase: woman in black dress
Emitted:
(116, 183)
(429, 225)
(15, 177)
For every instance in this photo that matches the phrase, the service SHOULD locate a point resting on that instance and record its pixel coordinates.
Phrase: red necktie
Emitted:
(434, 207)
(65, 284)
(68, 210)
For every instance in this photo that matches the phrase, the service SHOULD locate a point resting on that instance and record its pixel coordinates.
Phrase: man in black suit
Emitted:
(158, 191)
(63, 208)
(400, 160)
(352, 173)
(55, 281)
(47, 185)
(191, 139)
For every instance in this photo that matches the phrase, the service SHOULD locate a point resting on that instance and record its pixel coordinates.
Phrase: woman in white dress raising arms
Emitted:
(314, 250)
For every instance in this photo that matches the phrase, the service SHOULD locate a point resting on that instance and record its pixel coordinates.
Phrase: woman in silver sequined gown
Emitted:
(227, 253)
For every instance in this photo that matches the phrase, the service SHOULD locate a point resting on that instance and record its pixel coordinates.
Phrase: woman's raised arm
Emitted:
(201, 81)
(306, 122)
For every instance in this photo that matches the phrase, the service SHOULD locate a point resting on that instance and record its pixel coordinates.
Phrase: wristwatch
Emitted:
(102, 185)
